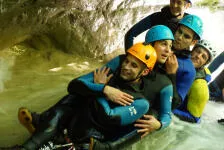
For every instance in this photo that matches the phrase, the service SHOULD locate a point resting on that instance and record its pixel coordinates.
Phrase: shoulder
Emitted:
(158, 78)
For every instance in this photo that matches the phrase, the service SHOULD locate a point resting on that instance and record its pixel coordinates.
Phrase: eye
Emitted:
(134, 65)
(187, 36)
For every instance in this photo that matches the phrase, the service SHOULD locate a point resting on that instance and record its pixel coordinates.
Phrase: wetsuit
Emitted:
(127, 114)
(159, 91)
(164, 17)
(184, 77)
(79, 105)
(196, 99)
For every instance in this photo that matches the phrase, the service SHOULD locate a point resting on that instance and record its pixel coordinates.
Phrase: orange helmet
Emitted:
(145, 53)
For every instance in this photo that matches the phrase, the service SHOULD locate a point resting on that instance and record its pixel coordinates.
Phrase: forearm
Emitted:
(176, 101)
(165, 106)
(137, 29)
(85, 88)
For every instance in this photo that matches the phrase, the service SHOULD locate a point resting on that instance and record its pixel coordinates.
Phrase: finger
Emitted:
(124, 102)
(107, 71)
(102, 70)
(146, 133)
(121, 103)
(109, 77)
(95, 72)
(142, 121)
(148, 117)
(142, 130)
(144, 126)
(128, 96)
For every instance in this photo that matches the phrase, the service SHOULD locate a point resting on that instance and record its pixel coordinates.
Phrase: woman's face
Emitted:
(163, 50)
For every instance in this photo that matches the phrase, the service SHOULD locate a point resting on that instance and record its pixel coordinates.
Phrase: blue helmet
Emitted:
(194, 23)
(157, 33)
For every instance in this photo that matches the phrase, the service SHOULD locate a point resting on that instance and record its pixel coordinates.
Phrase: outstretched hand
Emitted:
(147, 125)
(117, 96)
(101, 75)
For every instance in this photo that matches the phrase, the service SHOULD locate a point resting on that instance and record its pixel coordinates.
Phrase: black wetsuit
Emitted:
(164, 17)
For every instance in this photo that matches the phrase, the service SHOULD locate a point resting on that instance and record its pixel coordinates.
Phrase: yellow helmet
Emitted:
(145, 53)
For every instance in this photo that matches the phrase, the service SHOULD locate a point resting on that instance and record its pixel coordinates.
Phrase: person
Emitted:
(180, 70)
(128, 79)
(159, 91)
(168, 16)
(202, 54)
(189, 31)
(139, 61)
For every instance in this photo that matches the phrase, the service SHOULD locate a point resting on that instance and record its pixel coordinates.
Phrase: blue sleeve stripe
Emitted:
(166, 95)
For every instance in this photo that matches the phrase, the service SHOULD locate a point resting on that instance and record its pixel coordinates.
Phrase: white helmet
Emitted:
(207, 45)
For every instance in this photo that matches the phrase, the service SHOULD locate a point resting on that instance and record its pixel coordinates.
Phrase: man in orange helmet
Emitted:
(126, 84)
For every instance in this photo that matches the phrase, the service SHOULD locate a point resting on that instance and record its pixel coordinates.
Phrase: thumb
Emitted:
(109, 77)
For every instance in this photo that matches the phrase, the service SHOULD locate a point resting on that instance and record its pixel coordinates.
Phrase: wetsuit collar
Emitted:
(182, 53)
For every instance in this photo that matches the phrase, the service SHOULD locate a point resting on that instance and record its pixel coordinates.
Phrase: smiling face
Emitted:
(184, 38)
(178, 7)
(163, 50)
(131, 68)
(199, 56)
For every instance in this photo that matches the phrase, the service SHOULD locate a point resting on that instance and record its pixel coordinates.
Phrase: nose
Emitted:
(175, 4)
(127, 66)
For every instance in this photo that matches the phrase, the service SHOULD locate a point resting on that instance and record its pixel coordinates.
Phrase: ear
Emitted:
(194, 42)
(146, 71)
(188, 5)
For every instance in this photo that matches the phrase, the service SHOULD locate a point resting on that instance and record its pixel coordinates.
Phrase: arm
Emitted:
(166, 95)
(135, 30)
(176, 98)
(85, 85)
(171, 70)
(149, 123)
(184, 77)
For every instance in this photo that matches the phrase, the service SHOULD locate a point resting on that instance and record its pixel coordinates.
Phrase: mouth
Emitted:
(163, 56)
(124, 72)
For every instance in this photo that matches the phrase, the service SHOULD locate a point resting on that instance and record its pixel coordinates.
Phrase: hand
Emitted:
(147, 125)
(101, 75)
(117, 96)
(171, 64)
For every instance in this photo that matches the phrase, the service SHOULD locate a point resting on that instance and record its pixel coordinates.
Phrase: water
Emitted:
(38, 78)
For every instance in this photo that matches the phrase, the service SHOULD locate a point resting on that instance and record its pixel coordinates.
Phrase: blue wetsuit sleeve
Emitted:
(166, 95)
(85, 85)
(135, 30)
(185, 76)
(176, 98)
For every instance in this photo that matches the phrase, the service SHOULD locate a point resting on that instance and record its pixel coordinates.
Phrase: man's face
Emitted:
(163, 50)
(199, 56)
(131, 68)
(183, 38)
(178, 7)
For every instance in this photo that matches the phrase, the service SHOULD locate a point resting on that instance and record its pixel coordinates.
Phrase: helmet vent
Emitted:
(147, 56)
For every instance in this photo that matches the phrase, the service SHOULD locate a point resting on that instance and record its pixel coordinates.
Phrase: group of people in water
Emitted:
(136, 93)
